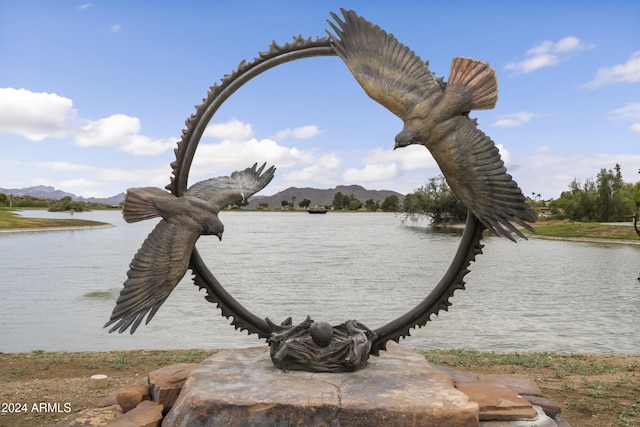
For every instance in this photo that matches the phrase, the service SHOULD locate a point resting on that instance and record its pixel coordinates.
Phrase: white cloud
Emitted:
(370, 173)
(122, 132)
(629, 72)
(38, 116)
(567, 44)
(505, 155)
(63, 166)
(630, 112)
(547, 54)
(311, 176)
(34, 115)
(513, 119)
(81, 184)
(85, 6)
(304, 132)
(234, 155)
(323, 172)
(329, 161)
(238, 149)
(115, 28)
(409, 158)
(91, 181)
(234, 130)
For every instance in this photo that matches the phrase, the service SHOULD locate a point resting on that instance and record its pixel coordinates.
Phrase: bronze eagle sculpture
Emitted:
(436, 115)
(164, 257)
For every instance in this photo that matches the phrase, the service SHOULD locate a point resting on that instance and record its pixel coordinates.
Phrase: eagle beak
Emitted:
(219, 236)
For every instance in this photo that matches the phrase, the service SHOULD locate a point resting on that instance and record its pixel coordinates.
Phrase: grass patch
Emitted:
(80, 364)
(10, 220)
(592, 230)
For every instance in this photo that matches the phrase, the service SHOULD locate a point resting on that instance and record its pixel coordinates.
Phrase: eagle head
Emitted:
(407, 136)
(214, 227)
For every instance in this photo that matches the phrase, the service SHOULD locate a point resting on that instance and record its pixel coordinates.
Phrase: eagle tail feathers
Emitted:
(479, 78)
(139, 203)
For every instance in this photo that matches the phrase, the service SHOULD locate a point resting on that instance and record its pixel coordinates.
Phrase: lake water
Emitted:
(59, 288)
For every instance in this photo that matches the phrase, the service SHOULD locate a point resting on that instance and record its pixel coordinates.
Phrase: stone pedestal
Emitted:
(243, 388)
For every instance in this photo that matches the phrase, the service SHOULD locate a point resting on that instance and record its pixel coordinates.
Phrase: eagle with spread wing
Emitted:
(164, 257)
(436, 115)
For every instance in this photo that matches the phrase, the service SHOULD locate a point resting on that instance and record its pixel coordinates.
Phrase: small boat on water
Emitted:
(317, 210)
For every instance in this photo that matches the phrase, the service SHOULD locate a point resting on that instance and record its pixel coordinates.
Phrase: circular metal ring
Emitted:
(243, 319)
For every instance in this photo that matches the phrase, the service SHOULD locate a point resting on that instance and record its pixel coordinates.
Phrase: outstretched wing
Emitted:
(471, 163)
(154, 272)
(388, 71)
(223, 190)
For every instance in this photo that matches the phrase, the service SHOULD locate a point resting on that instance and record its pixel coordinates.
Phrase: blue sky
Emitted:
(94, 95)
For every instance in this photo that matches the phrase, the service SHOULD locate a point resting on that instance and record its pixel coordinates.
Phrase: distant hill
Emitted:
(318, 197)
(321, 197)
(47, 192)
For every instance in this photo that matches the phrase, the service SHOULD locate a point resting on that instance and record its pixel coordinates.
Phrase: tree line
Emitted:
(343, 202)
(605, 198)
(52, 205)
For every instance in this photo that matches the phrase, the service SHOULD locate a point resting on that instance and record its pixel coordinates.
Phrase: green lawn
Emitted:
(594, 230)
(10, 220)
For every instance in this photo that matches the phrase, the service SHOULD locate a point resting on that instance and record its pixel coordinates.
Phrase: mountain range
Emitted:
(318, 197)
(48, 192)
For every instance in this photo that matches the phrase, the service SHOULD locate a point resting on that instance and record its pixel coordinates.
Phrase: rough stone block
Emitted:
(497, 401)
(457, 376)
(549, 407)
(542, 420)
(129, 397)
(518, 384)
(146, 414)
(243, 388)
(92, 417)
(166, 383)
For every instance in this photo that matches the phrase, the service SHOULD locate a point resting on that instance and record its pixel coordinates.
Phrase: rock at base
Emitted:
(131, 396)
(146, 414)
(243, 388)
(166, 383)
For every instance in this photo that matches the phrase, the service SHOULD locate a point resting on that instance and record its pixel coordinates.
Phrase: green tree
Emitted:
(371, 205)
(304, 203)
(340, 201)
(607, 198)
(436, 200)
(354, 204)
(263, 205)
(391, 204)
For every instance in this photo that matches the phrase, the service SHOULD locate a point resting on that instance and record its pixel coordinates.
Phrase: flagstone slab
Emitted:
(244, 388)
